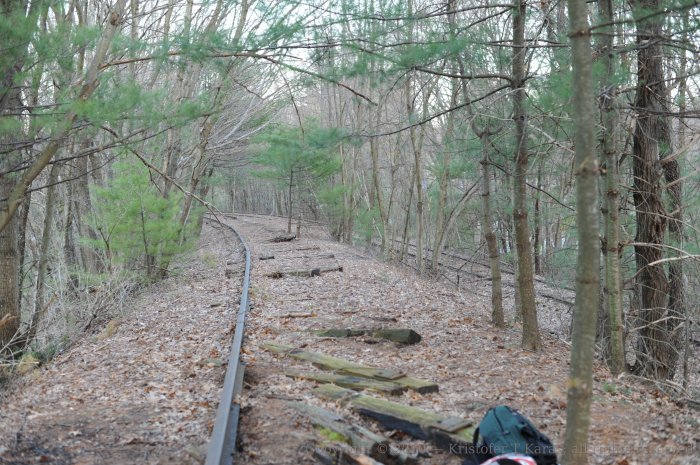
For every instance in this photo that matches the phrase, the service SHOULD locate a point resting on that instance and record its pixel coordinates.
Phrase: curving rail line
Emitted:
(223, 437)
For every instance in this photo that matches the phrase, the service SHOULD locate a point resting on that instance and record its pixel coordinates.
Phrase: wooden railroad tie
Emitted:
(362, 440)
(351, 382)
(451, 434)
(400, 335)
(303, 273)
(283, 238)
(345, 367)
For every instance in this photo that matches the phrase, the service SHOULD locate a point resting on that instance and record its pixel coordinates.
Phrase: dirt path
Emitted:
(142, 390)
(476, 365)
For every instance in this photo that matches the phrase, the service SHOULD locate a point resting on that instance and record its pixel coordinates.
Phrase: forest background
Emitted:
(533, 136)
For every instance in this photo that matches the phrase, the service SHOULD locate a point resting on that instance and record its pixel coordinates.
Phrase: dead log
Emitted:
(400, 335)
(303, 273)
(283, 238)
(267, 257)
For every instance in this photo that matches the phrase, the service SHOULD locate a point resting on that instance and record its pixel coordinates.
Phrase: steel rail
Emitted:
(222, 443)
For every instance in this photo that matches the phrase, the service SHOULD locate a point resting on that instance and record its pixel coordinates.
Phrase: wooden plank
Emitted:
(283, 238)
(362, 439)
(338, 332)
(303, 273)
(340, 365)
(338, 453)
(351, 382)
(298, 315)
(400, 335)
(370, 372)
(418, 423)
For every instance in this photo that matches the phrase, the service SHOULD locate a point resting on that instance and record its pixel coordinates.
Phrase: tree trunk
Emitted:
(10, 105)
(39, 301)
(22, 238)
(441, 229)
(588, 261)
(378, 196)
(9, 250)
(289, 201)
(407, 221)
(69, 248)
(537, 246)
(531, 332)
(613, 281)
(83, 211)
(682, 95)
(662, 297)
(497, 317)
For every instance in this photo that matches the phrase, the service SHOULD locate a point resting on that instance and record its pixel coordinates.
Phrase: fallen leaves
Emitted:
(153, 388)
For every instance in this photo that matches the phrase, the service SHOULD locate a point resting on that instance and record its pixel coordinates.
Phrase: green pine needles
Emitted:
(138, 228)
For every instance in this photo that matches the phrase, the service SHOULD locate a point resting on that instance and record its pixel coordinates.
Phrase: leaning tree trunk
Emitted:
(661, 297)
(531, 332)
(588, 261)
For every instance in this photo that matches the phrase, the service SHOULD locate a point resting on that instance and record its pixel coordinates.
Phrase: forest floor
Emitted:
(147, 392)
(144, 388)
(475, 364)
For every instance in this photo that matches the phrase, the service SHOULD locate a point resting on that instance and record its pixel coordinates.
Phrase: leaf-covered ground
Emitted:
(143, 389)
(475, 364)
(146, 390)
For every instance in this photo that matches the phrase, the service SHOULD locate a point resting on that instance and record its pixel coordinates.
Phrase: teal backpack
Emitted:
(504, 430)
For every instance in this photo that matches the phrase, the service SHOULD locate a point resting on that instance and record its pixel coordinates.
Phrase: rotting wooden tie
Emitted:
(401, 335)
(451, 434)
(341, 366)
(351, 382)
(361, 439)
(303, 273)
(283, 238)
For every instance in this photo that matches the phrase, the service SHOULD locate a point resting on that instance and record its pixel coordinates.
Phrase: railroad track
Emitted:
(223, 437)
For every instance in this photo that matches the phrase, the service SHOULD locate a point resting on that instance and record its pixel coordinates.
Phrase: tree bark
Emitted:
(497, 317)
(441, 226)
(662, 297)
(588, 261)
(609, 156)
(537, 239)
(41, 274)
(531, 332)
(10, 105)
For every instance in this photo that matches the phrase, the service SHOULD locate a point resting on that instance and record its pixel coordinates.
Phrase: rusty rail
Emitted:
(223, 437)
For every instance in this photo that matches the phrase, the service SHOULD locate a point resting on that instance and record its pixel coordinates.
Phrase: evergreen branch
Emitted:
(90, 83)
